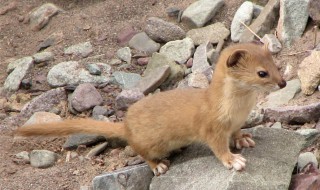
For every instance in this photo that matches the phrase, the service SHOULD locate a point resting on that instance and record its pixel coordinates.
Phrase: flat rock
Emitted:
(134, 178)
(293, 20)
(44, 102)
(81, 49)
(294, 114)
(71, 73)
(124, 54)
(153, 79)
(74, 141)
(309, 73)
(243, 14)
(160, 60)
(127, 98)
(43, 57)
(85, 97)
(126, 80)
(314, 7)
(42, 117)
(264, 23)
(282, 96)
(19, 69)
(178, 50)
(276, 151)
(212, 33)
(142, 42)
(200, 12)
(42, 158)
(40, 17)
(200, 59)
(163, 31)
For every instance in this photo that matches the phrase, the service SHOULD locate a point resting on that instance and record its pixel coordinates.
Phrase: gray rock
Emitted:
(142, 42)
(313, 8)
(18, 63)
(264, 23)
(97, 150)
(173, 11)
(294, 114)
(243, 14)
(71, 73)
(179, 50)
(18, 70)
(305, 158)
(24, 155)
(44, 102)
(26, 84)
(153, 79)
(85, 97)
(42, 117)
(200, 59)
(43, 57)
(160, 60)
(276, 125)
(200, 12)
(309, 73)
(82, 49)
(196, 167)
(99, 110)
(82, 139)
(311, 135)
(274, 44)
(126, 80)
(124, 54)
(40, 17)
(198, 80)
(293, 20)
(162, 31)
(257, 9)
(282, 96)
(127, 98)
(42, 158)
(94, 69)
(130, 178)
(254, 118)
(212, 33)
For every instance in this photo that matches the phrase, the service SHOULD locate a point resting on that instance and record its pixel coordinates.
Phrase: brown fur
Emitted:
(161, 123)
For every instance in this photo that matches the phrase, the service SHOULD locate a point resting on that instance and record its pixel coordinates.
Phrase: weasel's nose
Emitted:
(282, 84)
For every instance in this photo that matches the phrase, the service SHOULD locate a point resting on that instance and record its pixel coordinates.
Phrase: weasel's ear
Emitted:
(235, 56)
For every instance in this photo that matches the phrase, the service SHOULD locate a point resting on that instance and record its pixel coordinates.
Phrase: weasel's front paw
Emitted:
(235, 161)
(161, 168)
(245, 140)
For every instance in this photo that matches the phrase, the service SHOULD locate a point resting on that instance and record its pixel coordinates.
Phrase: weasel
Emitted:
(163, 122)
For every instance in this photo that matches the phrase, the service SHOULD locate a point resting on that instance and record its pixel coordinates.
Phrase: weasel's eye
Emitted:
(262, 74)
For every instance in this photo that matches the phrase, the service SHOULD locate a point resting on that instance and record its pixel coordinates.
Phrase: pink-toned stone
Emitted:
(125, 35)
(143, 61)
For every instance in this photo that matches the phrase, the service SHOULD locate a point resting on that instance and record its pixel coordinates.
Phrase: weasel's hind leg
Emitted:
(159, 167)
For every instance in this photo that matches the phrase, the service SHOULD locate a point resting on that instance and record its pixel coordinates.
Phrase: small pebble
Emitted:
(94, 69)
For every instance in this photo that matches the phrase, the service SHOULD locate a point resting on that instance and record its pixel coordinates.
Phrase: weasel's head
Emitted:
(252, 66)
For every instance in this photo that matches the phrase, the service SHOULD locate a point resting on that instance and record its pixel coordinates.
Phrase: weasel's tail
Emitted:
(67, 127)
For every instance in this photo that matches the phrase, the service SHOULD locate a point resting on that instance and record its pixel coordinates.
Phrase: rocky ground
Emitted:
(94, 58)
